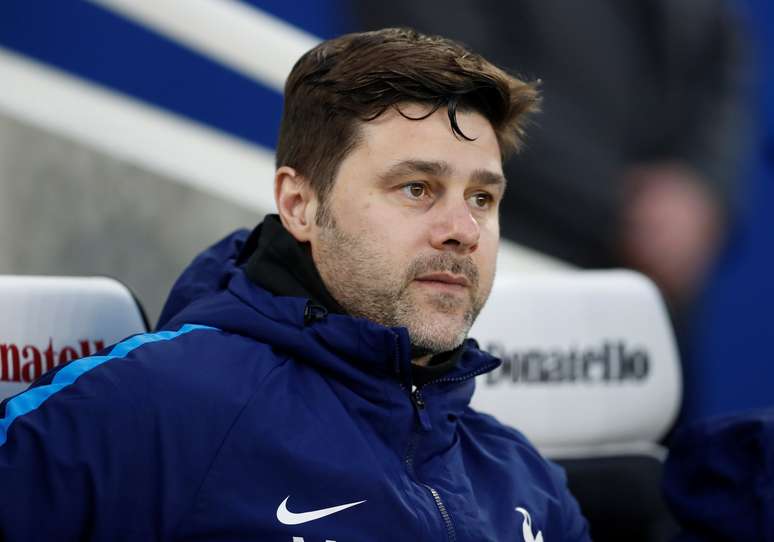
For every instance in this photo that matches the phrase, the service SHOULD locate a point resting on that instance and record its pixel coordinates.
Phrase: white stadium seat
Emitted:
(591, 375)
(47, 321)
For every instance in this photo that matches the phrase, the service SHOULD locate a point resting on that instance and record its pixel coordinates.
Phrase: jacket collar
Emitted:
(278, 263)
(264, 286)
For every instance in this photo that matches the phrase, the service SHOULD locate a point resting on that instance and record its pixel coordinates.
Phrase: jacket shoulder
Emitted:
(148, 413)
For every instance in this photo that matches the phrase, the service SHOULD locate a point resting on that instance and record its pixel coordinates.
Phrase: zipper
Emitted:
(416, 399)
(424, 422)
(463, 377)
(419, 403)
(444, 514)
(419, 407)
(314, 312)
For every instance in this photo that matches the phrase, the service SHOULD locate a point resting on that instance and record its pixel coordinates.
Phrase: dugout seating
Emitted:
(47, 321)
(591, 375)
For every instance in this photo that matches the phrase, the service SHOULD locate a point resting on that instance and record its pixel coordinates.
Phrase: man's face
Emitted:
(410, 233)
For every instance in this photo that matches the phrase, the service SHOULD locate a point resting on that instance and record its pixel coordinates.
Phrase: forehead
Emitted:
(392, 138)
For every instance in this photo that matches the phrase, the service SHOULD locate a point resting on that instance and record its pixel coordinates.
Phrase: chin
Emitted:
(439, 333)
(437, 345)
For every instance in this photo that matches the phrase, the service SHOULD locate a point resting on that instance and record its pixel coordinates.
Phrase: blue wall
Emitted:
(731, 366)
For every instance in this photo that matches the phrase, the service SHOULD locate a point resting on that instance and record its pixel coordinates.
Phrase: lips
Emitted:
(442, 278)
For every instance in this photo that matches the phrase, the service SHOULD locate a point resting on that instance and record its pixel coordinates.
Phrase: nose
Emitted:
(455, 228)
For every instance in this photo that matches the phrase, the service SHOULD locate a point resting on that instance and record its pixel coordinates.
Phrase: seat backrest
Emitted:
(589, 360)
(47, 321)
(591, 375)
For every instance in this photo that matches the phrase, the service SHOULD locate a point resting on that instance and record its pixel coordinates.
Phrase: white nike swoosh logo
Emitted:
(286, 517)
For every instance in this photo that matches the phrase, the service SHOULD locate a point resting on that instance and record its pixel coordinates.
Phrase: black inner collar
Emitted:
(281, 265)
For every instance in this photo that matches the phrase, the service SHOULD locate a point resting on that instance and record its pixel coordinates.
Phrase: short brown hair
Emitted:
(356, 77)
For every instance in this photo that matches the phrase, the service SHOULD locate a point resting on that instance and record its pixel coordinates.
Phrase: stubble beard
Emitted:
(363, 283)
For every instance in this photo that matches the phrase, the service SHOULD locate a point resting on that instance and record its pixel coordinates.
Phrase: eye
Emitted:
(415, 190)
(481, 200)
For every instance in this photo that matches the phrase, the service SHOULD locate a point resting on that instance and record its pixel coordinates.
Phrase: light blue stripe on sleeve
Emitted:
(31, 399)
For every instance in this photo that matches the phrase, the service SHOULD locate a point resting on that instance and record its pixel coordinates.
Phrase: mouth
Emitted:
(444, 280)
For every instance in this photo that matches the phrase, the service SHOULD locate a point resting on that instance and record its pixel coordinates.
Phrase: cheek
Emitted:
(487, 257)
(384, 242)
(396, 233)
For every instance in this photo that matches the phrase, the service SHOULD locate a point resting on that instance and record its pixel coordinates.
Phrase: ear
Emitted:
(296, 202)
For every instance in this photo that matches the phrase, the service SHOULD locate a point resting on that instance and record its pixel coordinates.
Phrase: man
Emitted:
(311, 381)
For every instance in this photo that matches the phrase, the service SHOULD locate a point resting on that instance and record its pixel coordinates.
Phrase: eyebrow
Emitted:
(410, 167)
(439, 169)
(486, 177)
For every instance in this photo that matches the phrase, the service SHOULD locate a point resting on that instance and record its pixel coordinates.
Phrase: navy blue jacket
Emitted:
(244, 419)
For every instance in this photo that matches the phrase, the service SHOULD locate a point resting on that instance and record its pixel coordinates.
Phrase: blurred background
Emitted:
(133, 133)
